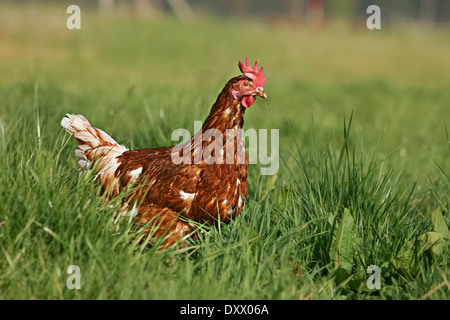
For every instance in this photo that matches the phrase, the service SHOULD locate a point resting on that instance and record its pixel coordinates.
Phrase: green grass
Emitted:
(363, 120)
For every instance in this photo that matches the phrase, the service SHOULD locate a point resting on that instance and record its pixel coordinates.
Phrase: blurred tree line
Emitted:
(311, 12)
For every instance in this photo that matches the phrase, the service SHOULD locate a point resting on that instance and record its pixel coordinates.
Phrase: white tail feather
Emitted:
(95, 147)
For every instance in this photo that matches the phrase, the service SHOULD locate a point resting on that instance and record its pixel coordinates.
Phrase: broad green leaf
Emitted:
(341, 276)
(343, 246)
(406, 255)
(358, 281)
(415, 247)
(387, 292)
(430, 239)
(433, 240)
(439, 223)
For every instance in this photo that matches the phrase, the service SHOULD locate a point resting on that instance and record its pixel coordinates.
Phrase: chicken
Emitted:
(202, 180)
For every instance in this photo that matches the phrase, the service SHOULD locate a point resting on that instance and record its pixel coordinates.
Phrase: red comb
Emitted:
(257, 76)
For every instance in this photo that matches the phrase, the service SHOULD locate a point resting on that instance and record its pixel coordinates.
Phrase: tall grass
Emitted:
(279, 248)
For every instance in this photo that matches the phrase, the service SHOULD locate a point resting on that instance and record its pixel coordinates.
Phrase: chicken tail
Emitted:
(95, 147)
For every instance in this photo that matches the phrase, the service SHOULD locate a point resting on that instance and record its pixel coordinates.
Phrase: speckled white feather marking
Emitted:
(186, 195)
(134, 174)
(240, 201)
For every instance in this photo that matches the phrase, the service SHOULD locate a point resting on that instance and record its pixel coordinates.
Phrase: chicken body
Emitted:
(209, 185)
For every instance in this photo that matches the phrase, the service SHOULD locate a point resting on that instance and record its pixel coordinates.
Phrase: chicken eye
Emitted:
(245, 84)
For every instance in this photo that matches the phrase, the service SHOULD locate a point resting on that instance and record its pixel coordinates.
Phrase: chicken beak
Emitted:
(261, 93)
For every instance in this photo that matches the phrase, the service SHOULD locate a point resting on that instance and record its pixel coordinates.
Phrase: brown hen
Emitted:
(203, 179)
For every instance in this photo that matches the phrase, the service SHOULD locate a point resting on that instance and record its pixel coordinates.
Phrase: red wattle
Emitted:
(247, 101)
